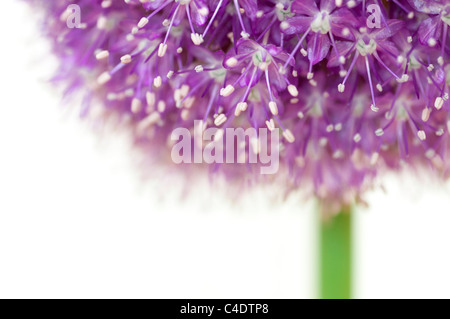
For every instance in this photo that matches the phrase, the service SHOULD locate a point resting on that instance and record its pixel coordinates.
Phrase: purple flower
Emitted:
(350, 99)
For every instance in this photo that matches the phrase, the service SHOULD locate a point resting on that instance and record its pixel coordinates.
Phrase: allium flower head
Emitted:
(354, 87)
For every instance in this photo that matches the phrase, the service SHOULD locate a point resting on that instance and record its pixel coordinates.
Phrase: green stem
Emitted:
(336, 257)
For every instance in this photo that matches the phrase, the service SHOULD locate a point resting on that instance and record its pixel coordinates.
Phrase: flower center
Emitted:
(282, 12)
(366, 48)
(261, 60)
(321, 23)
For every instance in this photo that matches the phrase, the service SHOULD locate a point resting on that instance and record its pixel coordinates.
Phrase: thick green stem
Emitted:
(336, 257)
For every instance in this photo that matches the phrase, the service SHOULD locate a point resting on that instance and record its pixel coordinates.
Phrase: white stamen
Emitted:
(142, 23)
(303, 52)
(270, 125)
(231, 62)
(203, 11)
(273, 107)
(421, 134)
(357, 138)
(426, 114)
(245, 35)
(440, 61)
(103, 78)
(432, 42)
(403, 79)
(289, 136)
(162, 50)
(438, 103)
(329, 128)
(284, 25)
(374, 108)
(411, 15)
(243, 106)
(136, 105)
(169, 74)
(341, 88)
(310, 75)
(102, 22)
(409, 39)
(197, 39)
(199, 68)
(379, 87)
(102, 55)
(161, 106)
(227, 90)
(157, 82)
(300, 115)
(292, 90)
(341, 59)
(125, 59)
(379, 132)
(351, 4)
(219, 120)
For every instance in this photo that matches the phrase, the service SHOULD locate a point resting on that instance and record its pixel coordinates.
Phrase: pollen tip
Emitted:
(231, 62)
(421, 135)
(162, 50)
(270, 125)
(142, 23)
(310, 75)
(292, 89)
(104, 78)
(289, 136)
(102, 55)
(374, 108)
(341, 88)
(273, 108)
(220, 119)
(196, 38)
(245, 35)
(229, 89)
(126, 59)
(379, 132)
(284, 25)
(438, 103)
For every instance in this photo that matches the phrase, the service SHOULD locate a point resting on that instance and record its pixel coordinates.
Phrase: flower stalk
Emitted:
(336, 256)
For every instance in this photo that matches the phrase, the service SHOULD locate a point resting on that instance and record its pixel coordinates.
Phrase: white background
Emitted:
(77, 221)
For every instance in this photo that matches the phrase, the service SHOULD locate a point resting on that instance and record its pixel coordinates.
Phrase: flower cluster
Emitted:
(354, 86)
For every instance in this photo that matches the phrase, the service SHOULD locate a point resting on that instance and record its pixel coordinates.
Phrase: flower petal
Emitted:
(318, 47)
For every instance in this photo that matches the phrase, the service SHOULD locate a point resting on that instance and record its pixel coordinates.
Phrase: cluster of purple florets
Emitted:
(353, 86)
